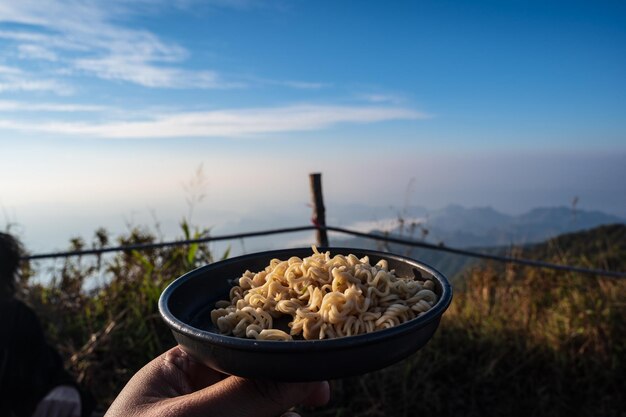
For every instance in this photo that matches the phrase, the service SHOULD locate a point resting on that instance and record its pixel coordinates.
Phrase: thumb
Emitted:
(239, 397)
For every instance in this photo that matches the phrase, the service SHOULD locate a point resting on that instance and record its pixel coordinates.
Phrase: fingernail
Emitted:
(178, 358)
(325, 391)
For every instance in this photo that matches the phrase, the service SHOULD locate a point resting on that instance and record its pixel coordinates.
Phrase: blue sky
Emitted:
(107, 107)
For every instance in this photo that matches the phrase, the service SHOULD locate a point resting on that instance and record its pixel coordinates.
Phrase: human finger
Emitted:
(198, 375)
(320, 395)
(235, 396)
(170, 375)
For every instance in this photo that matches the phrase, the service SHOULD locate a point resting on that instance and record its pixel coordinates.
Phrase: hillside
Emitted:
(603, 247)
(459, 226)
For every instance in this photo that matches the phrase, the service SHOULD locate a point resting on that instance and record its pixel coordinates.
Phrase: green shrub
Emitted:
(106, 334)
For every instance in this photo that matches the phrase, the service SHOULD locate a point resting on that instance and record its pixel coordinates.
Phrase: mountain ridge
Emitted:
(533, 229)
(455, 225)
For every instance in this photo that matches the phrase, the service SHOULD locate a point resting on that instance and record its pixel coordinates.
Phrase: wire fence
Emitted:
(389, 239)
(146, 246)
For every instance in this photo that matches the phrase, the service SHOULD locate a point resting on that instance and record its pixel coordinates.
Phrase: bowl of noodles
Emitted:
(306, 314)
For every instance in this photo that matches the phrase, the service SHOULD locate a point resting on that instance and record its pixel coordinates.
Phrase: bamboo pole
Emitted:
(319, 211)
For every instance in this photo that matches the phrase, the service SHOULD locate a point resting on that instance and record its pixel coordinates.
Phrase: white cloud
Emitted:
(26, 82)
(384, 225)
(223, 123)
(4, 70)
(304, 85)
(7, 105)
(87, 37)
(30, 51)
(82, 35)
(299, 85)
(381, 98)
(137, 70)
(15, 79)
(295, 84)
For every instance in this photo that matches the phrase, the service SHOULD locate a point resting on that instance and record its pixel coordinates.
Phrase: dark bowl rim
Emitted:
(239, 343)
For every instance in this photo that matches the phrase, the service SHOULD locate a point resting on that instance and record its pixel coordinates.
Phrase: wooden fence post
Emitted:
(319, 212)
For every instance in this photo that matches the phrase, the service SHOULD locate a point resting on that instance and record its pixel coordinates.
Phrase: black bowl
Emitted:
(186, 304)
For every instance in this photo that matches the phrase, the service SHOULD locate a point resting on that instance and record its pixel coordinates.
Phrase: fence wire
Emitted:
(390, 239)
(146, 246)
(464, 252)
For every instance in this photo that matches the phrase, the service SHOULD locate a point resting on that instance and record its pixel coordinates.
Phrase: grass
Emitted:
(515, 341)
(529, 343)
(107, 334)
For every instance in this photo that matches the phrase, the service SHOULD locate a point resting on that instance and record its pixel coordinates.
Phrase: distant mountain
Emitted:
(475, 220)
(458, 226)
(482, 229)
